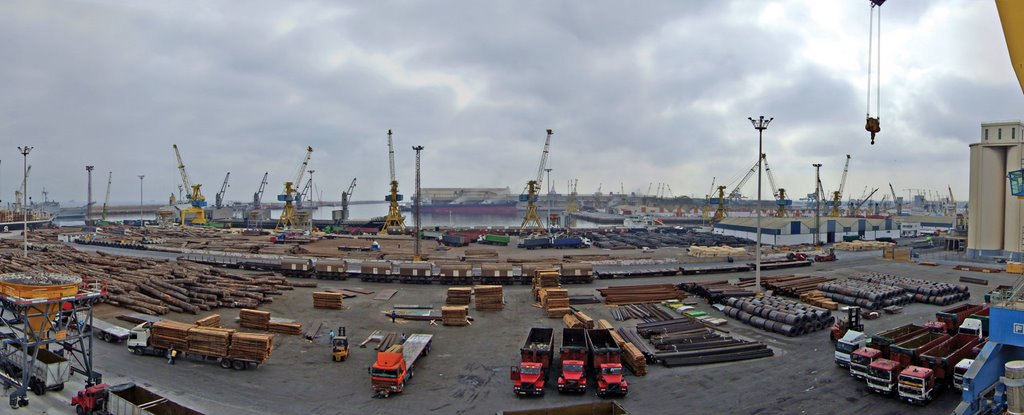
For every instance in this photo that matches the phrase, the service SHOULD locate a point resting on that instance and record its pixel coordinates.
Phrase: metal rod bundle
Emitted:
(779, 315)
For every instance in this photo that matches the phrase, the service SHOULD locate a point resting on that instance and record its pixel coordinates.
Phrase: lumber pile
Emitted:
(545, 278)
(858, 246)
(555, 302)
(285, 328)
(792, 285)
(212, 341)
(455, 315)
(585, 320)
(168, 334)
(571, 321)
(212, 320)
(329, 300)
(254, 319)
(459, 296)
(252, 346)
(636, 294)
(633, 358)
(489, 297)
(818, 299)
(715, 251)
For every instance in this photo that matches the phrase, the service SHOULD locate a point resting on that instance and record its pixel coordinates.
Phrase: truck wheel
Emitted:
(79, 410)
(37, 388)
(14, 402)
(225, 363)
(238, 365)
(137, 351)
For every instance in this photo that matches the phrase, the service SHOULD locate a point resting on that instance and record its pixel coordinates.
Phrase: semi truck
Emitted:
(919, 386)
(958, 373)
(606, 363)
(568, 242)
(861, 359)
(573, 354)
(535, 243)
(883, 375)
(535, 359)
(955, 316)
(849, 343)
(107, 331)
(454, 240)
(125, 399)
(397, 365)
(49, 371)
(492, 239)
(153, 339)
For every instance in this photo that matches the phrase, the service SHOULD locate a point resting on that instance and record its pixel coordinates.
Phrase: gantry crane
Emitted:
(255, 217)
(779, 193)
(194, 195)
(291, 195)
(106, 199)
(532, 188)
(837, 196)
(394, 220)
(218, 199)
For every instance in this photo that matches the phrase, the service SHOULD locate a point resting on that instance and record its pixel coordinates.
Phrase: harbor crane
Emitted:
(706, 214)
(837, 196)
(856, 208)
(394, 219)
(106, 199)
(291, 195)
(898, 201)
(721, 211)
(952, 201)
(346, 196)
(218, 199)
(532, 188)
(306, 193)
(257, 202)
(194, 195)
(780, 194)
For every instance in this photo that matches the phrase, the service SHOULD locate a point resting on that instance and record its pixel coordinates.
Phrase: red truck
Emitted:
(903, 354)
(606, 363)
(860, 359)
(536, 357)
(573, 353)
(920, 386)
(955, 316)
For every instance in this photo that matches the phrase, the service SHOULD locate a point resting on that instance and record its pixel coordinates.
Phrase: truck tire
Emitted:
(225, 363)
(79, 410)
(137, 351)
(37, 387)
(238, 365)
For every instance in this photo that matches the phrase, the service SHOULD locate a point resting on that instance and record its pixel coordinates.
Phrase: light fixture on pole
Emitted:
(760, 125)
(141, 176)
(817, 204)
(24, 195)
(416, 205)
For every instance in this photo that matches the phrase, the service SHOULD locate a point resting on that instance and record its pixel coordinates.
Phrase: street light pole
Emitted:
(549, 200)
(24, 195)
(141, 176)
(817, 204)
(760, 125)
(416, 205)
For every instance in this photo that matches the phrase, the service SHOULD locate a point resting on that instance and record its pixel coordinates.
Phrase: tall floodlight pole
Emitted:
(24, 195)
(549, 200)
(817, 204)
(760, 124)
(416, 204)
(141, 176)
(88, 201)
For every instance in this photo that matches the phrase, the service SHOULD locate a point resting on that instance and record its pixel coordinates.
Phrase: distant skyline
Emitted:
(656, 91)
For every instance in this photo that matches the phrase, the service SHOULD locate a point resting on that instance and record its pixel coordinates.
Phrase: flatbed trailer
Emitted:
(108, 332)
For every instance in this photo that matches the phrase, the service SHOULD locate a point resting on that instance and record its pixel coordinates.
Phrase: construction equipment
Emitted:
(397, 365)
(723, 200)
(48, 372)
(720, 211)
(394, 219)
(532, 190)
(828, 255)
(306, 193)
(124, 399)
(896, 200)
(290, 195)
(780, 194)
(416, 257)
(218, 199)
(536, 357)
(837, 196)
(339, 345)
(255, 217)
(873, 125)
(856, 208)
(706, 210)
(852, 322)
(952, 209)
(346, 196)
(106, 199)
(194, 195)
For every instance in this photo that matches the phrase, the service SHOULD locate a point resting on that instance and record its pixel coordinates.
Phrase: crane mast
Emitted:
(106, 199)
(532, 189)
(837, 196)
(394, 220)
(255, 216)
(194, 195)
(896, 201)
(219, 197)
(290, 195)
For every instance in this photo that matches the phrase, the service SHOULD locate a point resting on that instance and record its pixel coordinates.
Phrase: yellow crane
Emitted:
(706, 210)
(394, 220)
(837, 196)
(196, 200)
(290, 196)
(720, 212)
(533, 188)
(780, 194)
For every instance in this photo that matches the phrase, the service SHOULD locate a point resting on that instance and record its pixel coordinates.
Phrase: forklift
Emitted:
(852, 322)
(339, 345)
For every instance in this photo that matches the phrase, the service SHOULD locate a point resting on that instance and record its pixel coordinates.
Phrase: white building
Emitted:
(994, 223)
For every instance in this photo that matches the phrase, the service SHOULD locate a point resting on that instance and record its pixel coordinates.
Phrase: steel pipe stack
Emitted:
(779, 315)
(923, 291)
(865, 294)
(715, 291)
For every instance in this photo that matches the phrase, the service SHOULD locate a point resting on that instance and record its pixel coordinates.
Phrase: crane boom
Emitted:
(771, 177)
(351, 187)
(106, 199)
(219, 197)
(305, 163)
(540, 169)
(181, 169)
(864, 200)
(846, 169)
(735, 193)
(391, 156)
(257, 198)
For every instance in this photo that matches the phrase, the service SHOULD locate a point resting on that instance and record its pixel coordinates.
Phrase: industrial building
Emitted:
(995, 218)
(796, 231)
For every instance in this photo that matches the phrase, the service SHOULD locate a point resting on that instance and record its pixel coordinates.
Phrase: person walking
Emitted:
(331, 334)
(394, 315)
(171, 354)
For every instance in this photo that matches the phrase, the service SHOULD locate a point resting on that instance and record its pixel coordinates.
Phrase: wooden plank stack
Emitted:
(818, 299)
(715, 251)
(555, 302)
(252, 346)
(588, 323)
(459, 296)
(212, 320)
(285, 328)
(167, 334)
(212, 341)
(489, 297)
(330, 300)
(455, 315)
(633, 359)
(858, 246)
(571, 321)
(254, 319)
(545, 278)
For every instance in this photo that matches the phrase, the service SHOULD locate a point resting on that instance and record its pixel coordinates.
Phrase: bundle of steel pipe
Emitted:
(792, 285)
(865, 294)
(715, 291)
(645, 312)
(779, 315)
(635, 294)
(930, 292)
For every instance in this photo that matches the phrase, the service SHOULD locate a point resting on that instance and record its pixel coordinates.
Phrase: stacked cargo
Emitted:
(865, 294)
(211, 341)
(251, 346)
(923, 291)
(715, 251)
(635, 294)
(777, 314)
(212, 320)
(818, 299)
(455, 315)
(489, 297)
(543, 278)
(254, 319)
(577, 273)
(459, 296)
(285, 328)
(330, 300)
(170, 334)
(555, 302)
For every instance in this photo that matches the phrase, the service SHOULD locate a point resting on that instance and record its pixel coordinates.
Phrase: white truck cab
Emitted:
(971, 326)
(845, 347)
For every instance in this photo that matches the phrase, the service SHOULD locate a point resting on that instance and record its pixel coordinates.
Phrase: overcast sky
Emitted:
(636, 92)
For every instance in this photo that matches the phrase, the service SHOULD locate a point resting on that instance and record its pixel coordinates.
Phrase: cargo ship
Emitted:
(11, 220)
(482, 208)
(470, 201)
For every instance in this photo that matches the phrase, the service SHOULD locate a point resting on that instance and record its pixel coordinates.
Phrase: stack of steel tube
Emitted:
(715, 291)
(930, 292)
(779, 315)
(865, 294)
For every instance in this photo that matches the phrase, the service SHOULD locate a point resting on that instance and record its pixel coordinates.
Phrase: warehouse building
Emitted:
(796, 231)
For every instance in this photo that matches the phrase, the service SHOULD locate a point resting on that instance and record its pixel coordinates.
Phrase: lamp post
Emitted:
(141, 176)
(817, 204)
(760, 124)
(549, 200)
(416, 205)
(24, 195)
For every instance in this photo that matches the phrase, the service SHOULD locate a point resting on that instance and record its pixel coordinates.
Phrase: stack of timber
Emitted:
(476, 254)
(792, 285)
(153, 286)
(779, 315)
(861, 246)
(570, 321)
(211, 341)
(898, 254)
(455, 315)
(329, 300)
(212, 320)
(818, 299)
(555, 302)
(459, 296)
(865, 294)
(715, 291)
(545, 278)
(281, 327)
(632, 357)
(253, 346)
(254, 319)
(929, 292)
(170, 334)
(489, 297)
(636, 294)
(715, 251)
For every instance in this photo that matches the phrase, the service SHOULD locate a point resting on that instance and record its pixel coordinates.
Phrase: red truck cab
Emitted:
(917, 385)
(388, 373)
(528, 379)
(91, 398)
(606, 363)
(574, 354)
(861, 359)
(573, 377)
(610, 380)
(881, 376)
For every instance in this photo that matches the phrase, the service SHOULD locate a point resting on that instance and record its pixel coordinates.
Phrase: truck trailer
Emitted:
(536, 356)
(237, 351)
(49, 371)
(935, 368)
(397, 365)
(125, 399)
(883, 340)
(954, 316)
(108, 332)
